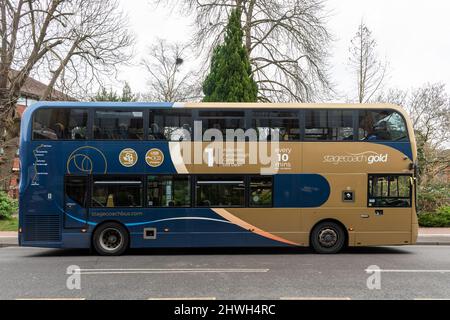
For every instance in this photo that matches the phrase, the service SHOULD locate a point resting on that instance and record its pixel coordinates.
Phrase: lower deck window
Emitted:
(389, 191)
(220, 191)
(76, 189)
(260, 192)
(117, 193)
(168, 191)
(177, 191)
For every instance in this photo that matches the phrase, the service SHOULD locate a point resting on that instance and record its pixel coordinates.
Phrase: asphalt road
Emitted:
(414, 272)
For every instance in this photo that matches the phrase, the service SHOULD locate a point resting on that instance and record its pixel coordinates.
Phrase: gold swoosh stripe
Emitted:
(247, 226)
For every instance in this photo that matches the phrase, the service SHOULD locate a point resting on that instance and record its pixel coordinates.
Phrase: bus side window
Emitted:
(60, 124)
(168, 191)
(76, 189)
(260, 191)
(117, 192)
(384, 125)
(221, 121)
(172, 125)
(220, 191)
(284, 123)
(118, 125)
(389, 191)
(328, 125)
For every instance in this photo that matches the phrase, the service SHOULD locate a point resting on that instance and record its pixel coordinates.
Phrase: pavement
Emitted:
(8, 239)
(419, 272)
(427, 236)
(434, 236)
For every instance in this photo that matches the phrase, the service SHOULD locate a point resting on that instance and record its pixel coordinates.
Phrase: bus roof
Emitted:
(216, 105)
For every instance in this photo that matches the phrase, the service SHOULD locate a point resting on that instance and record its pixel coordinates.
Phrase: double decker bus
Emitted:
(112, 176)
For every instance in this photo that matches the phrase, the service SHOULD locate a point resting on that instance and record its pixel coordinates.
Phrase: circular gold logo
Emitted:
(128, 157)
(154, 157)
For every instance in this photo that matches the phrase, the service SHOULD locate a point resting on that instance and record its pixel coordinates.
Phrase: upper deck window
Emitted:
(328, 125)
(221, 121)
(60, 124)
(174, 125)
(285, 124)
(118, 125)
(386, 125)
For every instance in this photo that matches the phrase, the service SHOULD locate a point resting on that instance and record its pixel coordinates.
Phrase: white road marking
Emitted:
(315, 298)
(407, 271)
(429, 299)
(168, 271)
(185, 298)
(442, 246)
(435, 235)
(44, 299)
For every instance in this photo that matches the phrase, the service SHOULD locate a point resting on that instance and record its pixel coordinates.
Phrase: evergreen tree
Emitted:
(104, 95)
(230, 78)
(127, 94)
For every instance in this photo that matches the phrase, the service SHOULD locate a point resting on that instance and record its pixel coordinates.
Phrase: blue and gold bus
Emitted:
(112, 176)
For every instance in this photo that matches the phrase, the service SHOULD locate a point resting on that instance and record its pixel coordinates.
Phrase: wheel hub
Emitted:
(328, 237)
(110, 239)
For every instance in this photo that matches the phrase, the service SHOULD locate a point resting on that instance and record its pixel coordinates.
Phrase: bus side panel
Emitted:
(390, 229)
(281, 225)
(219, 227)
(363, 225)
(41, 193)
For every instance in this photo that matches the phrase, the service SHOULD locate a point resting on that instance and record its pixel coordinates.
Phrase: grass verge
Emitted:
(10, 224)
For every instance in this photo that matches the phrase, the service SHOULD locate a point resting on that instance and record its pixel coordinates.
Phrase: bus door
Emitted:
(75, 201)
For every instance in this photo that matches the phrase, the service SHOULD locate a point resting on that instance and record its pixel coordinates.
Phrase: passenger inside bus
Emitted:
(371, 128)
(155, 132)
(122, 199)
(58, 128)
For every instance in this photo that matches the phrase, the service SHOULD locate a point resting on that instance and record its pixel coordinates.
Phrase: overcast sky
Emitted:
(413, 35)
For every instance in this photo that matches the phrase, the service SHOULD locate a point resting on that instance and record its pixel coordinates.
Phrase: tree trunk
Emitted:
(9, 133)
(247, 26)
(49, 90)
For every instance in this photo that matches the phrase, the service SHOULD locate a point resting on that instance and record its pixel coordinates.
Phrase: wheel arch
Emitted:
(338, 222)
(110, 221)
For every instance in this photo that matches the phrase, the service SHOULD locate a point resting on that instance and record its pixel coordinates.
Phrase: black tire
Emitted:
(110, 239)
(328, 238)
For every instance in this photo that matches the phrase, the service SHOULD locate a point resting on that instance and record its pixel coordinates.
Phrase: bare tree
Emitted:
(167, 79)
(429, 110)
(25, 39)
(96, 42)
(69, 42)
(286, 40)
(369, 70)
(76, 39)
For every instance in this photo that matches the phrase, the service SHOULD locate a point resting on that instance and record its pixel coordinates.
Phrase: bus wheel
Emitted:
(328, 237)
(110, 239)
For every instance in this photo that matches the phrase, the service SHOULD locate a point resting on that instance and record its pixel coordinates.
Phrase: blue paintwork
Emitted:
(75, 217)
(402, 146)
(300, 190)
(43, 194)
